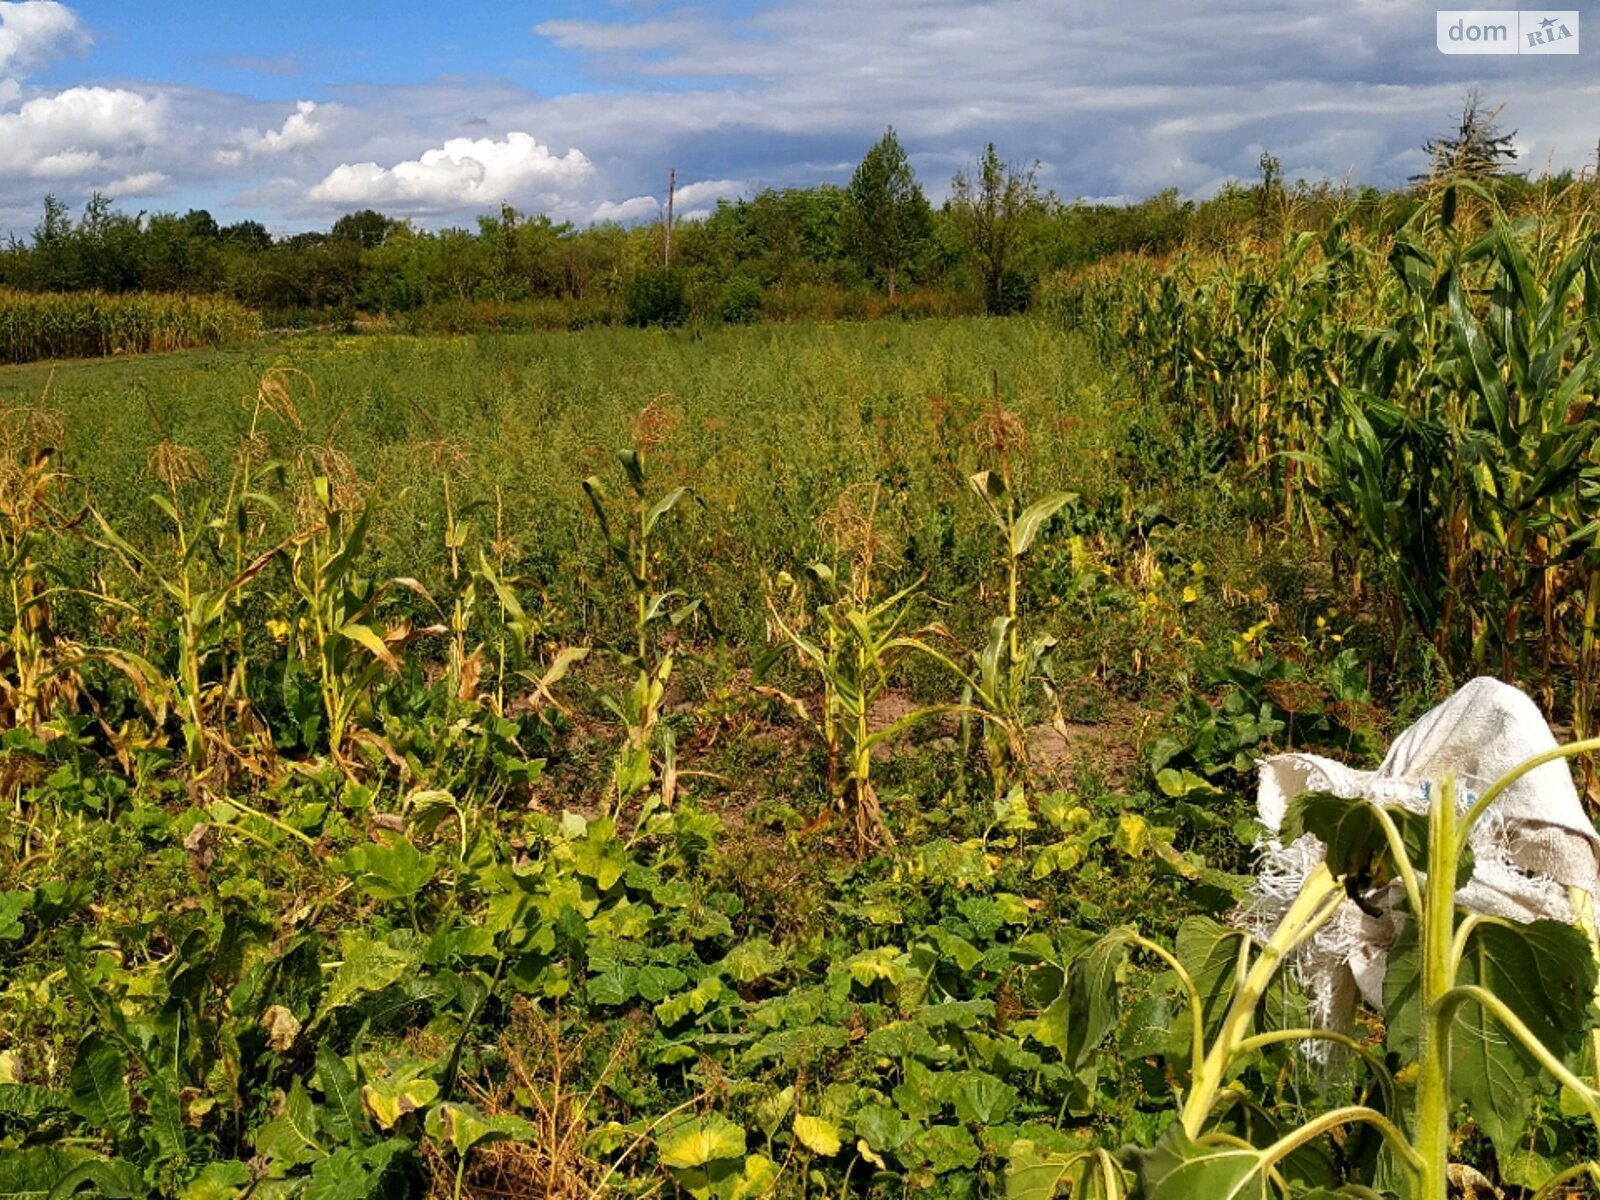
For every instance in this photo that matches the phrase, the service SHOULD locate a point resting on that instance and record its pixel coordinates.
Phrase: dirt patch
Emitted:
(1110, 749)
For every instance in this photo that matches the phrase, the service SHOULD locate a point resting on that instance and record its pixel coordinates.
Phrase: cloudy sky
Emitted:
(293, 112)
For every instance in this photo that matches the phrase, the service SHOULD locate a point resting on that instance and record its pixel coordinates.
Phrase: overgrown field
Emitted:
(804, 760)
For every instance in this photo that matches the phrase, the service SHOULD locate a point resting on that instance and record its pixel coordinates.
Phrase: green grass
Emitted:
(771, 425)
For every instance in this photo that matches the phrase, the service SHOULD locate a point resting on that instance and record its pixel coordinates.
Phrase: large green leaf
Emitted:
(1209, 951)
(370, 1173)
(1543, 972)
(1033, 518)
(1176, 1168)
(982, 1099)
(394, 872)
(945, 1148)
(701, 1140)
(99, 1090)
(369, 965)
(463, 1128)
(817, 1134)
(342, 1116)
(1080, 1175)
(29, 1173)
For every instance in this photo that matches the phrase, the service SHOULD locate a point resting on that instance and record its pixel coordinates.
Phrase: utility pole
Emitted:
(672, 187)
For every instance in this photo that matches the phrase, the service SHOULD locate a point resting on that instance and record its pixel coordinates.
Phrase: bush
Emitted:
(1010, 295)
(741, 301)
(657, 298)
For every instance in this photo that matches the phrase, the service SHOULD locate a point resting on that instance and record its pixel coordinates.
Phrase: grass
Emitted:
(768, 426)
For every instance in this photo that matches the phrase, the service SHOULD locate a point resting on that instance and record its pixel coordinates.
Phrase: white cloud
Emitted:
(693, 194)
(689, 202)
(145, 183)
(615, 35)
(637, 208)
(463, 173)
(34, 32)
(78, 131)
(300, 129)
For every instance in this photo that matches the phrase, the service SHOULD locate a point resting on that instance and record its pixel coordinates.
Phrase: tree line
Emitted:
(988, 245)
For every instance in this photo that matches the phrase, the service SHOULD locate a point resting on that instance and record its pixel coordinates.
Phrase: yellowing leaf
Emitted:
(703, 1141)
(817, 1135)
(1133, 834)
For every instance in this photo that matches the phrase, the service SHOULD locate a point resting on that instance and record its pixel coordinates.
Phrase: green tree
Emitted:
(993, 210)
(366, 227)
(888, 217)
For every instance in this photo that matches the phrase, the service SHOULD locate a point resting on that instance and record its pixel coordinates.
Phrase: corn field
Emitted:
(1423, 401)
(36, 326)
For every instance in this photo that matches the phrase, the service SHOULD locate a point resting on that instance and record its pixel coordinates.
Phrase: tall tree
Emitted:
(1477, 149)
(889, 216)
(992, 209)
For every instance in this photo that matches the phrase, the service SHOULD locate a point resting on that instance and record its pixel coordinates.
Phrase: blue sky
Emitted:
(293, 112)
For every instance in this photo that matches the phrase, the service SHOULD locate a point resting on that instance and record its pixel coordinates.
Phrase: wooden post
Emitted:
(672, 187)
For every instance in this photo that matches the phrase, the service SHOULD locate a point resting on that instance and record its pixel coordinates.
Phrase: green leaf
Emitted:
(349, 1173)
(224, 1180)
(702, 1140)
(613, 986)
(363, 636)
(341, 1110)
(30, 1173)
(369, 966)
(753, 960)
(817, 1135)
(1033, 518)
(661, 508)
(1085, 1175)
(1175, 1168)
(395, 1096)
(656, 983)
(946, 1148)
(1543, 972)
(113, 1179)
(99, 1091)
(885, 1129)
(1209, 951)
(981, 1099)
(1347, 826)
(463, 1128)
(599, 856)
(12, 906)
(393, 873)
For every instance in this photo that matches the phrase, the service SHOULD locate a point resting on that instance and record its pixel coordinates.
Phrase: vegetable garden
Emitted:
(797, 761)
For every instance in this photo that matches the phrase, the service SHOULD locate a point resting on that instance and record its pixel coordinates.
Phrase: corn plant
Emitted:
(203, 574)
(84, 324)
(629, 538)
(35, 664)
(333, 616)
(854, 644)
(1008, 665)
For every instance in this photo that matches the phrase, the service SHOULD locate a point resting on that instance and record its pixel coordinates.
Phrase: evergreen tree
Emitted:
(889, 219)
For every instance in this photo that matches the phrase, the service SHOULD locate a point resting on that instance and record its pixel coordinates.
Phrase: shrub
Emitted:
(657, 298)
(741, 301)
